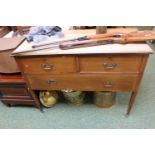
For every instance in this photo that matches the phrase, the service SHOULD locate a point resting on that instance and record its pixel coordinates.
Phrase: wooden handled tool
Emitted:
(136, 36)
(96, 40)
(121, 39)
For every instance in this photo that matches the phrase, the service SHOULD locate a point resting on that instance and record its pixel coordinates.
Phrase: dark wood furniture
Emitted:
(115, 67)
(13, 90)
(4, 30)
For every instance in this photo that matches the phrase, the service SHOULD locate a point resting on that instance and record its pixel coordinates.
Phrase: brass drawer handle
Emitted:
(109, 66)
(47, 66)
(51, 81)
(108, 85)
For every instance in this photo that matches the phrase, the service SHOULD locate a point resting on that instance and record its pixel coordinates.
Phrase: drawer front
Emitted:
(82, 82)
(14, 90)
(51, 64)
(110, 64)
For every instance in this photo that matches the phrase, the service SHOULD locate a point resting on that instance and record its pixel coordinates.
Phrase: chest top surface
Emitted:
(102, 49)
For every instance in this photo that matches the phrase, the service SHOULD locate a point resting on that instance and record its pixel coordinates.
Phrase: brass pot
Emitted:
(74, 97)
(104, 99)
(48, 98)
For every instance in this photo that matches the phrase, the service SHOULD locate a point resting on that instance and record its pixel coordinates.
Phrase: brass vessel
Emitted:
(74, 97)
(104, 99)
(48, 98)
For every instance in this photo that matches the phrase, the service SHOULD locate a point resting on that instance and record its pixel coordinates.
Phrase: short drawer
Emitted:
(13, 89)
(15, 94)
(48, 64)
(82, 82)
(110, 63)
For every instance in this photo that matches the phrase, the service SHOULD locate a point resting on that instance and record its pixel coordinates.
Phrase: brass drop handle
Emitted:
(109, 66)
(108, 84)
(47, 66)
(51, 81)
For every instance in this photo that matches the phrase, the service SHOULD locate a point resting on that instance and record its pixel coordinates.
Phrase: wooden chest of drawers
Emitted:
(117, 68)
(84, 72)
(13, 90)
(109, 72)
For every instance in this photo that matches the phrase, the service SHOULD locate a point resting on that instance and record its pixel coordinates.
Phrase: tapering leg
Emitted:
(131, 102)
(38, 105)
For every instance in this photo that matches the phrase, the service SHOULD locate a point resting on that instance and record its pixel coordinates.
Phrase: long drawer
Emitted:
(110, 63)
(48, 64)
(83, 82)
